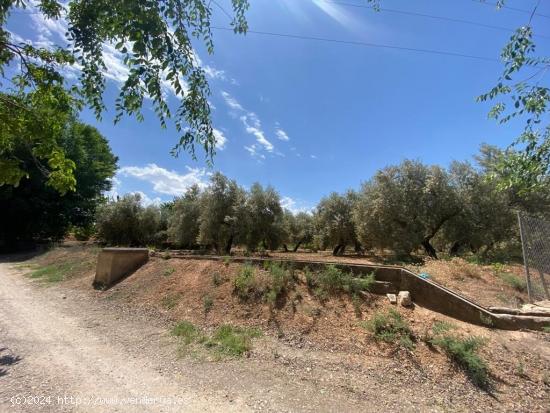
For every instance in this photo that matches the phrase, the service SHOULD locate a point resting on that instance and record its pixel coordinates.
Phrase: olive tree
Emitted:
(265, 218)
(127, 222)
(403, 207)
(223, 217)
(299, 228)
(184, 223)
(334, 226)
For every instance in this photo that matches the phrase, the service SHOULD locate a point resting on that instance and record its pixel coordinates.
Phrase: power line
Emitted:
(429, 16)
(487, 3)
(365, 44)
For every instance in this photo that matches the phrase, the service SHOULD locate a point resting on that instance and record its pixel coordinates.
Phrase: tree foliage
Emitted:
(183, 222)
(265, 218)
(34, 210)
(334, 225)
(155, 38)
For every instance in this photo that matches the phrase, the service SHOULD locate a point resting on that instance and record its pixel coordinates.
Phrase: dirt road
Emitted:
(54, 358)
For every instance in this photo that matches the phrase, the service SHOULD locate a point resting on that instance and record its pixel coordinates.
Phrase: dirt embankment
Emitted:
(315, 355)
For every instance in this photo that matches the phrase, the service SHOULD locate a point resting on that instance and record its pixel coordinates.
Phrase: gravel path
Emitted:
(51, 360)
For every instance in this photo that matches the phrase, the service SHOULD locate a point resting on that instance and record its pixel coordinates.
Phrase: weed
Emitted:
(232, 341)
(356, 301)
(516, 283)
(227, 260)
(170, 301)
(463, 351)
(546, 329)
(186, 331)
(281, 282)
(310, 278)
(55, 272)
(168, 271)
(332, 281)
(218, 279)
(391, 327)
(245, 282)
(441, 327)
(486, 320)
(546, 378)
(208, 303)
(520, 369)
(266, 265)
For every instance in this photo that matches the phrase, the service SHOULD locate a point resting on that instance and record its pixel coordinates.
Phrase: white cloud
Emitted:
(221, 140)
(313, 156)
(231, 101)
(281, 134)
(253, 151)
(295, 206)
(146, 200)
(253, 126)
(251, 122)
(165, 181)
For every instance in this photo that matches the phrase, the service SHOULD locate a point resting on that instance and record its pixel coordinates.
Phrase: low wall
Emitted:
(114, 264)
(424, 292)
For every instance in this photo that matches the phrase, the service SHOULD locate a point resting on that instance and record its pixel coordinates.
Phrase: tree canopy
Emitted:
(156, 40)
(35, 211)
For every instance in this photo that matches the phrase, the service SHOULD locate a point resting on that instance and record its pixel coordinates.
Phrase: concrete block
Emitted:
(392, 298)
(404, 298)
(113, 264)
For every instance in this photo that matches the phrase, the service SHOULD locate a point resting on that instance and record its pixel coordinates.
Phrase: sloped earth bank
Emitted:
(65, 339)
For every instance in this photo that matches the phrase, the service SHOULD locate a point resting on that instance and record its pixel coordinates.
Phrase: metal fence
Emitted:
(535, 242)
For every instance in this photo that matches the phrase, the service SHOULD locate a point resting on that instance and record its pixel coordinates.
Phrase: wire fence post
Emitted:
(525, 264)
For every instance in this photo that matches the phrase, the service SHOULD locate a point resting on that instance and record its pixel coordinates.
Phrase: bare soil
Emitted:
(66, 338)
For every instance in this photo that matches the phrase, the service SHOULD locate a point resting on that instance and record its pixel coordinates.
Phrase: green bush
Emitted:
(332, 281)
(463, 351)
(516, 283)
(245, 282)
(391, 327)
(232, 341)
(186, 331)
(280, 283)
(208, 303)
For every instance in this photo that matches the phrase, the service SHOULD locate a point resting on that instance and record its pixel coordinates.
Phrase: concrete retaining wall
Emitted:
(424, 292)
(113, 264)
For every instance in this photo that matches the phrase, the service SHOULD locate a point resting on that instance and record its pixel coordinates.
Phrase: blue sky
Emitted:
(311, 117)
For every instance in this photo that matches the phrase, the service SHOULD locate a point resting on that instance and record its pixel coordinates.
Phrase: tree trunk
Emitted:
(336, 249)
(297, 246)
(229, 245)
(453, 251)
(358, 248)
(430, 250)
(285, 248)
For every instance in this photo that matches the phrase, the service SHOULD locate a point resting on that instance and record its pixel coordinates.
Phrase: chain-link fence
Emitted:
(535, 241)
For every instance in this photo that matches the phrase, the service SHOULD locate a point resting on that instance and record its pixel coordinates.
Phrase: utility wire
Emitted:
(365, 44)
(429, 16)
(487, 3)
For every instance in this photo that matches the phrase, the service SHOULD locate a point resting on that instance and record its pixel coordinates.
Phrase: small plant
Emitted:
(266, 265)
(520, 369)
(227, 260)
(463, 351)
(546, 329)
(232, 341)
(170, 301)
(310, 278)
(245, 282)
(186, 331)
(281, 282)
(56, 272)
(516, 283)
(218, 279)
(486, 320)
(333, 280)
(391, 327)
(208, 303)
(168, 271)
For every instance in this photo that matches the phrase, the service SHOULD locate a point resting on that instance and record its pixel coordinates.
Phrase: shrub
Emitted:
(208, 303)
(170, 301)
(218, 279)
(391, 327)
(280, 283)
(332, 281)
(245, 284)
(516, 283)
(463, 351)
(168, 271)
